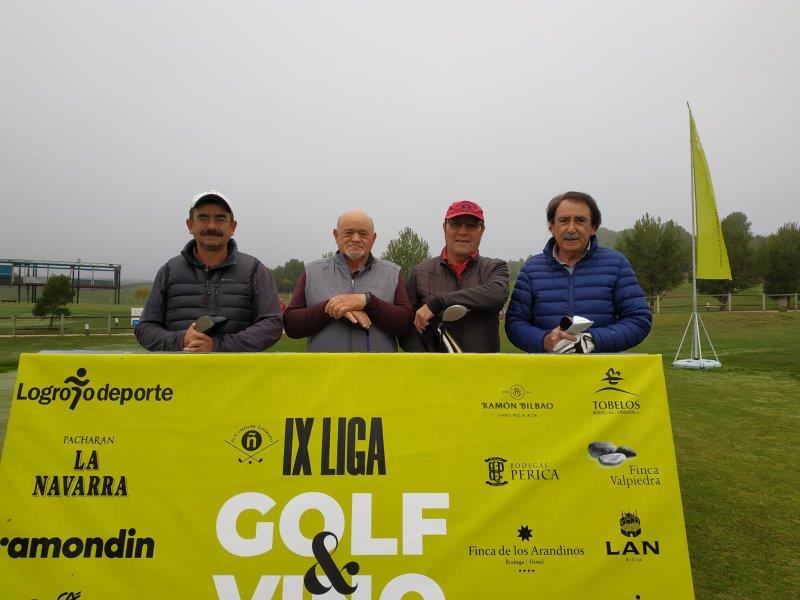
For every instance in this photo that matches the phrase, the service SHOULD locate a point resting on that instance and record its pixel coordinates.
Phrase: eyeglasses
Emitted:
(217, 219)
(471, 225)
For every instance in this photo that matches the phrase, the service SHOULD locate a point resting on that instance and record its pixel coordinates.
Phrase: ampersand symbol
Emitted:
(324, 559)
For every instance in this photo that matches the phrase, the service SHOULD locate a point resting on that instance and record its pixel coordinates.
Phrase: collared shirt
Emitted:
(458, 268)
(566, 265)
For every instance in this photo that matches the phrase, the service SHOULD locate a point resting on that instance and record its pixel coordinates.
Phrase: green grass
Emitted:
(736, 430)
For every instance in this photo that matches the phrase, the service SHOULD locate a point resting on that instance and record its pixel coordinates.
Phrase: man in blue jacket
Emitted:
(575, 276)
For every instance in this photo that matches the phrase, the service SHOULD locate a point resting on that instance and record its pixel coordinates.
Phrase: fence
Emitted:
(26, 325)
(120, 324)
(727, 302)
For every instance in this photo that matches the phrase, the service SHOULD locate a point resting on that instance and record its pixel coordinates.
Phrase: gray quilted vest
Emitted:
(329, 277)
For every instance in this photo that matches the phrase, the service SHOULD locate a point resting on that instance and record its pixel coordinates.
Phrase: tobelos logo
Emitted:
(76, 388)
(496, 467)
(613, 378)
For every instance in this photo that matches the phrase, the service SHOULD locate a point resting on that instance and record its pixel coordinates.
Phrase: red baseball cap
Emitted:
(464, 207)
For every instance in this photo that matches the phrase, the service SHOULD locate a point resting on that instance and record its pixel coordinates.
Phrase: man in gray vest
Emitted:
(351, 301)
(211, 278)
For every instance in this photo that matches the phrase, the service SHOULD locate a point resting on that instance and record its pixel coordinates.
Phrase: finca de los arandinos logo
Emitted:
(76, 388)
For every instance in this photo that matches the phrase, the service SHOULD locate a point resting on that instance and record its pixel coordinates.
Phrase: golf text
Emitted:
(252, 541)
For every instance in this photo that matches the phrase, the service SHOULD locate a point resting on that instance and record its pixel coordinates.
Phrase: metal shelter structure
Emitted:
(30, 275)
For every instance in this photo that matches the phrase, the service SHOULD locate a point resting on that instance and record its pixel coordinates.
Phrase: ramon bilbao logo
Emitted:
(80, 388)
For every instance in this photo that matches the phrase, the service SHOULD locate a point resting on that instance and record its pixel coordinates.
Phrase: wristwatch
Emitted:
(368, 297)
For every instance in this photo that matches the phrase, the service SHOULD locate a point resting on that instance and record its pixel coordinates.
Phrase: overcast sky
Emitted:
(114, 114)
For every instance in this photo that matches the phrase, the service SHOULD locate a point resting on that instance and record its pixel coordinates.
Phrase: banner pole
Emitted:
(695, 328)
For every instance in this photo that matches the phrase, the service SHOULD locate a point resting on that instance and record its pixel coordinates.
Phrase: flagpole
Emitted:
(695, 327)
(696, 361)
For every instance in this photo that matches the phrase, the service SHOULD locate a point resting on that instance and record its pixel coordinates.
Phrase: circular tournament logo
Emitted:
(250, 441)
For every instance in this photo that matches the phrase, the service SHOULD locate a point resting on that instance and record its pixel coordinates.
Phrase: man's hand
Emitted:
(194, 341)
(584, 345)
(423, 316)
(345, 303)
(359, 317)
(555, 336)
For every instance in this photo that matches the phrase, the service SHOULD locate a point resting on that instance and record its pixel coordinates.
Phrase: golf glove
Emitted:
(584, 345)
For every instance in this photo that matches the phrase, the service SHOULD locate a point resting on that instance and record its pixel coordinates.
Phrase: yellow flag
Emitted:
(712, 257)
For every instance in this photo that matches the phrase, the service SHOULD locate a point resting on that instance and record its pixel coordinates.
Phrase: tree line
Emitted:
(660, 253)
(661, 256)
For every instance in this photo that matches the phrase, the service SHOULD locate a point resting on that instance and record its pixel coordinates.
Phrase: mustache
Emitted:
(212, 232)
(572, 236)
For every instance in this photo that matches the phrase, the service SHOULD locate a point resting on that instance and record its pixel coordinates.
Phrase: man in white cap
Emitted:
(211, 297)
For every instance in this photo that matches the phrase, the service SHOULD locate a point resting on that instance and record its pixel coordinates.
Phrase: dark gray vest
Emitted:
(331, 276)
(226, 290)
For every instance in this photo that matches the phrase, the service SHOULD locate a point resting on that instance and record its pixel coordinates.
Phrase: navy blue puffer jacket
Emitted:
(602, 287)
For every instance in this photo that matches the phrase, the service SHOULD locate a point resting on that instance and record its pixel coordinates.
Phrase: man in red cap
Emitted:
(458, 276)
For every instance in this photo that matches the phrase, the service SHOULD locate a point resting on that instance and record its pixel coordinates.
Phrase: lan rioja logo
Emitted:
(496, 466)
(630, 525)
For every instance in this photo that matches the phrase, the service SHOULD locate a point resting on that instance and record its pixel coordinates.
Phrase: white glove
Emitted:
(584, 345)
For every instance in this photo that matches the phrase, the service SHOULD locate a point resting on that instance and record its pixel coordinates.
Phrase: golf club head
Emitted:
(206, 323)
(575, 325)
(454, 313)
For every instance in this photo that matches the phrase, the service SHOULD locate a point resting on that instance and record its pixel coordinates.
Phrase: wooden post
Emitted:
(763, 303)
(658, 304)
(61, 328)
(730, 302)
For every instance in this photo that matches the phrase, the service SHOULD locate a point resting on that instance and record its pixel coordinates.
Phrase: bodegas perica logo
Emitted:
(79, 388)
(501, 471)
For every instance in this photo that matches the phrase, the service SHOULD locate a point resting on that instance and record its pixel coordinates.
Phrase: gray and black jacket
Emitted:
(241, 289)
(482, 288)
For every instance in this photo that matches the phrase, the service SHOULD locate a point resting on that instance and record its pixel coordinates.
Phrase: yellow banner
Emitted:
(380, 477)
(711, 254)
